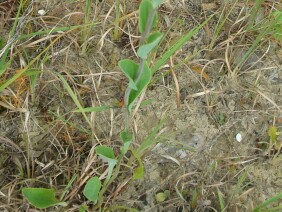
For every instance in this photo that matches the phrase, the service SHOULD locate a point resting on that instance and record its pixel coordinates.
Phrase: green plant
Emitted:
(269, 26)
(86, 30)
(222, 20)
(117, 31)
(92, 188)
(139, 75)
(277, 26)
(41, 197)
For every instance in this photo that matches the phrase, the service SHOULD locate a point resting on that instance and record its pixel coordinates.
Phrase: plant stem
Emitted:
(142, 61)
(107, 183)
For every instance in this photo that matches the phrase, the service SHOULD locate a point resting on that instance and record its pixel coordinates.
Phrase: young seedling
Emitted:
(139, 75)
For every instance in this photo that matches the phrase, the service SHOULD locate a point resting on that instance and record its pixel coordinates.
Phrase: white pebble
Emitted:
(239, 137)
(41, 12)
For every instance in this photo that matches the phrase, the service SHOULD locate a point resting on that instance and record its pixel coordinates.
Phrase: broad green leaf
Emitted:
(142, 83)
(105, 151)
(93, 109)
(92, 188)
(153, 41)
(178, 45)
(130, 69)
(145, 9)
(41, 197)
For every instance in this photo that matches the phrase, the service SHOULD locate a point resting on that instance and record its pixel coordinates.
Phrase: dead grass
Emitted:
(44, 143)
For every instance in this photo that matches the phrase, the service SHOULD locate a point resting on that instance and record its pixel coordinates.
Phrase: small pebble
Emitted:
(41, 12)
(239, 137)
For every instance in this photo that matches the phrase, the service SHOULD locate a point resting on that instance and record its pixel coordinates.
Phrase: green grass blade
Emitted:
(74, 97)
(268, 202)
(257, 42)
(150, 139)
(93, 109)
(222, 19)
(50, 31)
(178, 45)
(70, 183)
(254, 13)
(3, 66)
(221, 200)
(17, 75)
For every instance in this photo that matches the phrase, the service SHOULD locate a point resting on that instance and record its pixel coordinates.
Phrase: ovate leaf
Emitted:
(105, 152)
(41, 197)
(92, 188)
(145, 9)
(130, 69)
(152, 41)
(141, 85)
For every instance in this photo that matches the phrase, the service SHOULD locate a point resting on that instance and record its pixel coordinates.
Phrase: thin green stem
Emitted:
(107, 183)
(141, 66)
(142, 61)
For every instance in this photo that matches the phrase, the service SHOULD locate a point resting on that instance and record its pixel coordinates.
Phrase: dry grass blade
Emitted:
(9, 143)
(176, 83)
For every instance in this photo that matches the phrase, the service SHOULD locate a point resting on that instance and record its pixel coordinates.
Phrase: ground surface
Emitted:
(196, 156)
